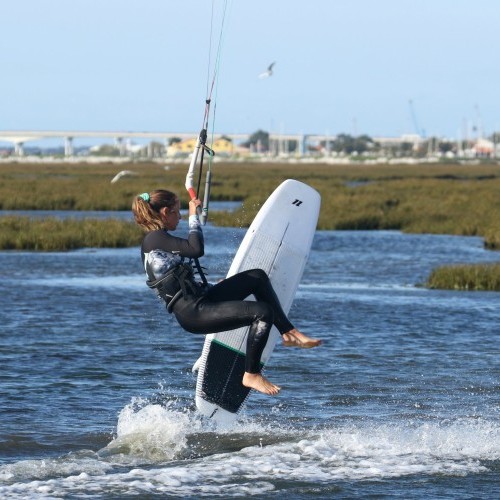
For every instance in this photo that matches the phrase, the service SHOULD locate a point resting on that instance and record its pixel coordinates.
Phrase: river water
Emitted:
(402, 400)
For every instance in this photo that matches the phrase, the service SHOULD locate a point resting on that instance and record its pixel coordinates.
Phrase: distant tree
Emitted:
(174, 140)
(258, 139)
(107, 150)
(345, 143)
(364, 143)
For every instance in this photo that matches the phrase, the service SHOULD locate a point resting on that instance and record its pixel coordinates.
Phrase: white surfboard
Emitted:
(278, 241)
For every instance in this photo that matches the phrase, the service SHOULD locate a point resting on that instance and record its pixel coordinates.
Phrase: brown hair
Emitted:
(146, 208)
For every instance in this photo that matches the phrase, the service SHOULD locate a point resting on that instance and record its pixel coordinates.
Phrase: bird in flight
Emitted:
(123, 173)
(268, 72)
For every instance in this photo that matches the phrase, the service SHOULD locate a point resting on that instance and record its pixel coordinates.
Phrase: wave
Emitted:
(126, 282)
(161, 450)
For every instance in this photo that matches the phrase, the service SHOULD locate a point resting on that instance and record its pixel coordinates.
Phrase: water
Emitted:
(96, 389)
(228, 206)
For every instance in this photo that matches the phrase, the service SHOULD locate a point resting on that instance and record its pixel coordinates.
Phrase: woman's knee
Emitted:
(259, 274)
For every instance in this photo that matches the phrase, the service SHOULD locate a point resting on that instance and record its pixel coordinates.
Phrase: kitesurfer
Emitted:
(203, 308)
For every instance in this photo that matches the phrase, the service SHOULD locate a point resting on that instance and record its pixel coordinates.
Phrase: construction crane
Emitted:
(414, 119)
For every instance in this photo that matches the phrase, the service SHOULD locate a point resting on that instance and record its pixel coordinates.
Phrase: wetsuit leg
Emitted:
(252, 282)
(256, 342)
(223, 308)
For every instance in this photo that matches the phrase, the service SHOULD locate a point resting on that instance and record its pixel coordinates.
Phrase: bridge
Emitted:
(278, 143)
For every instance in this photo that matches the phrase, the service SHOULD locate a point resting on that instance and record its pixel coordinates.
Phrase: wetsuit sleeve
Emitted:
(192, 247)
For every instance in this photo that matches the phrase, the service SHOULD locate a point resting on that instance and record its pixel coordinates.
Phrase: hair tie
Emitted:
(145, 197)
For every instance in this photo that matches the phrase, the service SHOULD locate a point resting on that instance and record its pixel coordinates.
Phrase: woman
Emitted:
(202, 308)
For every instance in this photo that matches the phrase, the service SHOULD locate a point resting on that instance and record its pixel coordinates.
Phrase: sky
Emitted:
(376, 67)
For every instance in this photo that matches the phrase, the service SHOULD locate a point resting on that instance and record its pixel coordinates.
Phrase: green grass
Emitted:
(51, 234)
(478, 277)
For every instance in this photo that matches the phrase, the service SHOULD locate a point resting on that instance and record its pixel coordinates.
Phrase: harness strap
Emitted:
(200, 272)
(175, 284)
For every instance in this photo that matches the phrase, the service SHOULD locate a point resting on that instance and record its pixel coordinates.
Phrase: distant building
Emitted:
(221, 146)
(483, 147)
(388, 142)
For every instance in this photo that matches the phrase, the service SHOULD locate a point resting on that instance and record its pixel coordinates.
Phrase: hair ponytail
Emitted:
(146, 208)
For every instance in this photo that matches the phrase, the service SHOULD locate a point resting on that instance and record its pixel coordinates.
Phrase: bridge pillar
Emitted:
(68, 146)
(276, 146)
(121, 146)
(328, 146)
(19, 148)
(283, 143)
(273, 146)
(303, 145)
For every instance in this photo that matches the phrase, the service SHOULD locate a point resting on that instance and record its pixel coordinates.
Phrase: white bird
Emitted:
(268, 72)
(121, 174)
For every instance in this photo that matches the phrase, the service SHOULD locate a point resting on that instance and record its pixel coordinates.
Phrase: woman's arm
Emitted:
(192, 247)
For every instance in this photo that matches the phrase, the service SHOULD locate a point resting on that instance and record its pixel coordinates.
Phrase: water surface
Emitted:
(97, 393)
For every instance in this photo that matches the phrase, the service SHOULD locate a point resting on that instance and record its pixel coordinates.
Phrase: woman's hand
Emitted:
(193, 205)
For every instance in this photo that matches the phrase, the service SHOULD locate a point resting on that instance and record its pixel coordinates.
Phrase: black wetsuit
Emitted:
(221, 307)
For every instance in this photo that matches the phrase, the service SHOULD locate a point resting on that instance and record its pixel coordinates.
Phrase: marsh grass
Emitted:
(52, 234)
(492, 236)
(477, 277)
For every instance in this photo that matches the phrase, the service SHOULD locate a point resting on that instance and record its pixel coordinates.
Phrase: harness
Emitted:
(175, 284)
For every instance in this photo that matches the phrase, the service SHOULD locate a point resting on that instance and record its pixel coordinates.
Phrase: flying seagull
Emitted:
(268, 72)
(121, 174)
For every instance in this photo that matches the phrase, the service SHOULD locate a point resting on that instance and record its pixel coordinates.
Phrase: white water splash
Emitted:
(154, 436)
(153, 433)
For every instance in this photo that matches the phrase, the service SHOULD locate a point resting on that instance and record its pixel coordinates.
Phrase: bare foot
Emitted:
(294, 338)
(260, 383)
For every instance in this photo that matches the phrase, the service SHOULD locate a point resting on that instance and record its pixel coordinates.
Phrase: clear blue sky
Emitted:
(341, 65)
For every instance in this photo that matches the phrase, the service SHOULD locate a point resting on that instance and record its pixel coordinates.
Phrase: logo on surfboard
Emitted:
(297, 203)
